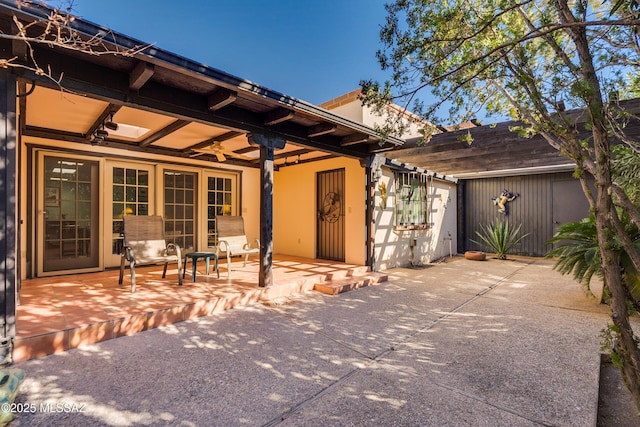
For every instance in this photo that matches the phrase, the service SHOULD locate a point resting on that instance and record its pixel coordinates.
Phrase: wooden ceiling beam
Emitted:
(278, 166)
(321, 129)
(353, 139)
(111, 109)
(140, 75)
(220, 138)
(172, 127)
(278, 115)
(220, 98)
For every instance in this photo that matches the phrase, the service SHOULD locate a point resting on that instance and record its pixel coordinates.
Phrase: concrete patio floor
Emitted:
(459, 343)
(59, 313)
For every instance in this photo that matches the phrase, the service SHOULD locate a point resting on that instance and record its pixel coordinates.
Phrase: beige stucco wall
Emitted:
(394, 248)
(355, 111)
(294, 216)
(250, 203)
(352, 110)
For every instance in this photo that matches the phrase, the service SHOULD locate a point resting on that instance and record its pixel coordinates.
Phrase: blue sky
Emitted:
(314, 50)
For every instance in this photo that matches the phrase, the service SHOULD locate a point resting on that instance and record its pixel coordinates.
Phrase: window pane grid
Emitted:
(68, 201)
(219, 202)
(179, 208)
(130, 197)
(411, 209)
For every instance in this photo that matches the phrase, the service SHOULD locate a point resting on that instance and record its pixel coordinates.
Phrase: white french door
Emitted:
(221, 199)
(129, 191)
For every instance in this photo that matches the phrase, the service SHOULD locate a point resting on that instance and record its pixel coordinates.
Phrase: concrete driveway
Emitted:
(459, 343)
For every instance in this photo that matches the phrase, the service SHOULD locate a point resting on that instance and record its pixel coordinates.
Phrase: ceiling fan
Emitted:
(220, 152)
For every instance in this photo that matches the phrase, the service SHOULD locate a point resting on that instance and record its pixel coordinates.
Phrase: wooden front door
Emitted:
(330, 215)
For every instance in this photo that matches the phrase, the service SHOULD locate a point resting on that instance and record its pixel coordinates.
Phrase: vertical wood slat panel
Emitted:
(533, 209)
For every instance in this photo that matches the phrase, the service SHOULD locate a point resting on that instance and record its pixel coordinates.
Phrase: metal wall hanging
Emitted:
(502, 200)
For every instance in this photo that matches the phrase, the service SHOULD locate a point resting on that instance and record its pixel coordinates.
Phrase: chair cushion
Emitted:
(150, 251)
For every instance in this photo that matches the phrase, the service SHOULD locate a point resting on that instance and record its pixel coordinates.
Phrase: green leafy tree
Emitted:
(529, 59)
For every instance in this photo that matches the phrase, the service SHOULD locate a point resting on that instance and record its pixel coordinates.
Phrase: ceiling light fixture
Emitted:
(110, 124)
(97, 139)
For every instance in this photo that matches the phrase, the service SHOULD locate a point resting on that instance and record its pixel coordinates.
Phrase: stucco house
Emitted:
(100, 135)
(148, 132)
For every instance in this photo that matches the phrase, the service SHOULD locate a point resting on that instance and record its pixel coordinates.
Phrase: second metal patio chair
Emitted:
(232, 240)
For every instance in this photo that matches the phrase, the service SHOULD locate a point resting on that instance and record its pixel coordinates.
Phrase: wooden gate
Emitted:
(330, 214)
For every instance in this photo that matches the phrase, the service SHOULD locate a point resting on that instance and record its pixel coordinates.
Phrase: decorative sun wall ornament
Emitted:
(502, 200)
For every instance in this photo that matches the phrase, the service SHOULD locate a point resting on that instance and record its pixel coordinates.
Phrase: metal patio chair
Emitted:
(233, 241)
(144, 243)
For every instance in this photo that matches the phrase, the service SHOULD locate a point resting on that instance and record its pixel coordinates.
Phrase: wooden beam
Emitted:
(172, 127)
(292, 153)
(249, 149)
(111, 109)
(278, 115)
(284, 155)
(321, 129)
(221, 98)
(354, 138)
(141, 74)
(220, 138)
(10, 248)
(314, 159)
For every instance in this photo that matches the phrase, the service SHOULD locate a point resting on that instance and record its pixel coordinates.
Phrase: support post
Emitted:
(268, 144)
(8, 216)
(373, 173)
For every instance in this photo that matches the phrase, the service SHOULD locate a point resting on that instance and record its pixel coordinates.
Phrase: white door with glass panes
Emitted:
(180, 189)
(221, 197)
(129, 192)
(68, 221)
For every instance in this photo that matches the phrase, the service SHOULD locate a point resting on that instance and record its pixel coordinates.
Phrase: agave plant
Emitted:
(500, 237)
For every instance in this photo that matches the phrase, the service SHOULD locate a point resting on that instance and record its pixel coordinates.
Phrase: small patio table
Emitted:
(207, 255)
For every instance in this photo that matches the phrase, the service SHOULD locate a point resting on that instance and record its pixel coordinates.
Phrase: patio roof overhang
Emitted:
(183, 105)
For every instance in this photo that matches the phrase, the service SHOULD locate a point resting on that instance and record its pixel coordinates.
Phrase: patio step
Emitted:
(334, 287)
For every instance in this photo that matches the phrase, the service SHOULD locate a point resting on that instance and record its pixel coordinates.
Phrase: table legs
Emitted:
(194, 262)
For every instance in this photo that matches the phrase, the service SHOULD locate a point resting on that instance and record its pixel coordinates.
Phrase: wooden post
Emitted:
(8, 231)
(268, 144)
(373, 174)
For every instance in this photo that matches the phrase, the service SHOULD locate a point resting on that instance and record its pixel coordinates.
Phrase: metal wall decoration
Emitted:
(331, 208)
(502, 200)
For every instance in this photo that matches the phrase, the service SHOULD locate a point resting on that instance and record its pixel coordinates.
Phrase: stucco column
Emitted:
(268, 144)
(8, 215)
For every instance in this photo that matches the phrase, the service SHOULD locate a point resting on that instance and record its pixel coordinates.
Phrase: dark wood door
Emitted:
(330, 214)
